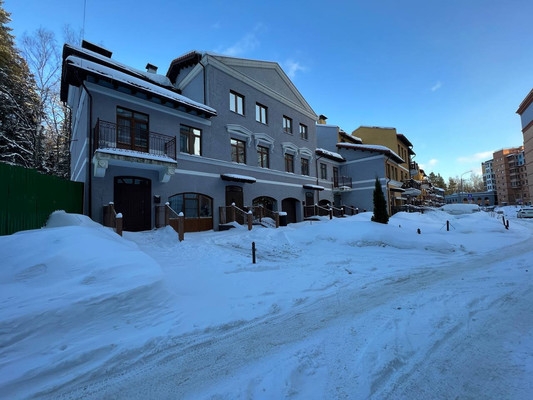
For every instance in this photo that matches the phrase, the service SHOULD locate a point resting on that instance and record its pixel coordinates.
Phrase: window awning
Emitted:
(313, 187)
(238, 178)
(397, 189)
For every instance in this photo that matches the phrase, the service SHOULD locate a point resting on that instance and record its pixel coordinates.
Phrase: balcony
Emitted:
(125, 146)
(108, 135)
(342, 183)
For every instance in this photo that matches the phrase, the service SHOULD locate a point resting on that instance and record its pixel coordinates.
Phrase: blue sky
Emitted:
(448, 74)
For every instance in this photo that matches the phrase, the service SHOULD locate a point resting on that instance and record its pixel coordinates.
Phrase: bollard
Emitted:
(507, 224)
(448, 226)
(418, 231)
(253, 252)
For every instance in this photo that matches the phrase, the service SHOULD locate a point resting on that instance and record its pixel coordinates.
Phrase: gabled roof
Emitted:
(265, 76)
(373, 148)
(350, 138)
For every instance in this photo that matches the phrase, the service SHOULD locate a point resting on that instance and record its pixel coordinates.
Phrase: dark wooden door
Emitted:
(234, 195)
(132, 197)
(289, 206)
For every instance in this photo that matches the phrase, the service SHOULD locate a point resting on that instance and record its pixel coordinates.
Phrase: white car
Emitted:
(525, 213)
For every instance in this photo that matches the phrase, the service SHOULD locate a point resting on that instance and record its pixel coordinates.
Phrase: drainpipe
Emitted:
(387, 187)
(205, 82)
(91, 144)
(316, 168)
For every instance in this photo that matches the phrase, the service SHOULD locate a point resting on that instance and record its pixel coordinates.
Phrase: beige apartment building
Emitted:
(525, 110)
(509, 168)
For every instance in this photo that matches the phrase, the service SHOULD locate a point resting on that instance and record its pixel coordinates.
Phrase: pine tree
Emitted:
(380, 205)
(20, 134)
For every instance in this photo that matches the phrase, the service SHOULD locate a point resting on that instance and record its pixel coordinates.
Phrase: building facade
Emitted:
(525, 110)
(213, 132)
(489, 178)
(511, 177)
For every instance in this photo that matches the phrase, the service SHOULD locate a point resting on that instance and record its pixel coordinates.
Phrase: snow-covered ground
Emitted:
(340, 309)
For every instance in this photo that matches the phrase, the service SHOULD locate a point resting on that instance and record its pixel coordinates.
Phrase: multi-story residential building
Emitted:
(489, 178)
(359, 165)
(525, 110)
(510, 175)
(397, 171)
(229, 131)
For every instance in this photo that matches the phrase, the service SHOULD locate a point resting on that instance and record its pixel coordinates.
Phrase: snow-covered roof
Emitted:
(131, 80)
(329, 154)
(159, 79)
(372, 147)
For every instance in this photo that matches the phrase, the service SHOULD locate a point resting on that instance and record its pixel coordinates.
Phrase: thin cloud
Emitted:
(477, 157)
(246, 44)
(430, 164)
(292, 67)
(436, 86)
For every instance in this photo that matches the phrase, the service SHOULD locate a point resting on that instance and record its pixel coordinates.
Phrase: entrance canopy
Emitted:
(238, 178)
(313, 187)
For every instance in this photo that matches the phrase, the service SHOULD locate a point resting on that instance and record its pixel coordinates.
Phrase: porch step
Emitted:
(225, 227)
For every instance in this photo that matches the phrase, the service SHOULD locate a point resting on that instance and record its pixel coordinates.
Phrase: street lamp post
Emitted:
(461, 191)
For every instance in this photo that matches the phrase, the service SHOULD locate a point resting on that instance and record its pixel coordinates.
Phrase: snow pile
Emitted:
(456, 209)
(56, 285)
(431, 305)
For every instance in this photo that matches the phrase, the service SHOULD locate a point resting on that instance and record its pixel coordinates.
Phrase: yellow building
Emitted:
(396, 173)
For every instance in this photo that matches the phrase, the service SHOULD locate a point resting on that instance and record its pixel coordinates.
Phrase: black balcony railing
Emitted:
(106, 135)
(342, 182)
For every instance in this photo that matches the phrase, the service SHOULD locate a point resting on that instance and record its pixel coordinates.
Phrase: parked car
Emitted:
(525, 213)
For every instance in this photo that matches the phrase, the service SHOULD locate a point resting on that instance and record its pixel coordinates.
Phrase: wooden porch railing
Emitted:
(112, 219)
(261, 212)
(336, 212)
(233, 213)
(350, 210)
(106, 136)
(165, 215)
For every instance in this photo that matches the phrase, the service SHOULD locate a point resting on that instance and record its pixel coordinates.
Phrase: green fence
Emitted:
(28, 197)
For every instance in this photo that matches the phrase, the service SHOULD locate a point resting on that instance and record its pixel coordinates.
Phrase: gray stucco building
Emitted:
(214, 131)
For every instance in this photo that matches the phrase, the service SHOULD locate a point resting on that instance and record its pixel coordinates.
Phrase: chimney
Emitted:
(322, 119)
(151, 68)
(97, 49)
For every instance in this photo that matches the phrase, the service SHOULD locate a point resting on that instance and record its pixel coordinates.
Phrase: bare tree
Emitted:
(42, 53)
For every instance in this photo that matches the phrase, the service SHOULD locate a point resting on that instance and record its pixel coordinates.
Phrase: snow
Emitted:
(138, 82)
(370, 147)
(330, 154)
(332, 309)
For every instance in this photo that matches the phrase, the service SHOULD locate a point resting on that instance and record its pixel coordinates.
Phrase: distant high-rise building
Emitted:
(525, 110)
(510, 175)
(489, 179)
